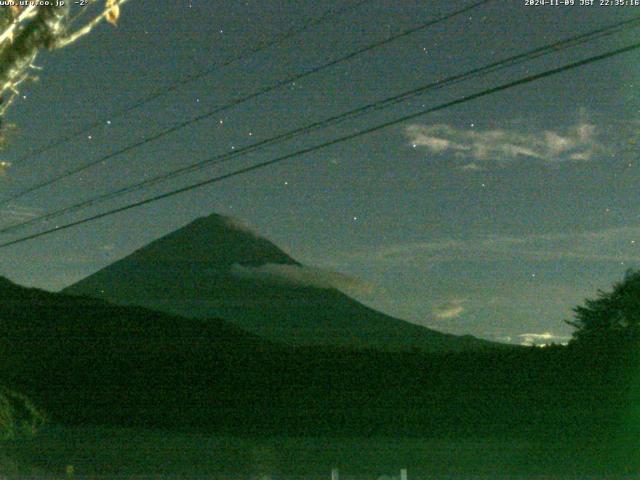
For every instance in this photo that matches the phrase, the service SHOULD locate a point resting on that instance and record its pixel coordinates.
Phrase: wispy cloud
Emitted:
(612, 245)
(577, 143)
(299, 275)
(449, 310)
(500, 337)
(16, 213)
(240, 224)
(472, 167)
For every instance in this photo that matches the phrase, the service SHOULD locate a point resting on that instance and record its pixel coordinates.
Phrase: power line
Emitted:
(474, 73)
(239, 101)
(467, 98)
(276, 40)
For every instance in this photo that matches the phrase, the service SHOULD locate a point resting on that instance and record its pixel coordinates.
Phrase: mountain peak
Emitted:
(223, 221)
(215, 240)
(217, 266)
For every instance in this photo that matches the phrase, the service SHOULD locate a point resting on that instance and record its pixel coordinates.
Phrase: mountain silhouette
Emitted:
(84, 361)
(217, 267)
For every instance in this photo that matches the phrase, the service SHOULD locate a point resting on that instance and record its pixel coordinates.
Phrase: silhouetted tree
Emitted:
(613, 318)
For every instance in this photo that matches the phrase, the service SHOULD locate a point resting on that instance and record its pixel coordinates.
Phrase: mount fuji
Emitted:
(216, 267)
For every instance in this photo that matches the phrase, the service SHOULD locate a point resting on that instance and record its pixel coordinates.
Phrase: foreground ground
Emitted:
(118, 451)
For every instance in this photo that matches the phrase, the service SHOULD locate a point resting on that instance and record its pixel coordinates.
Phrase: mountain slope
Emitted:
(86, 360)
(215, 267)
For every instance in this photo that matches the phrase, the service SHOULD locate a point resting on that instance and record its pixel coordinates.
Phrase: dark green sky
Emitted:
(493, 218)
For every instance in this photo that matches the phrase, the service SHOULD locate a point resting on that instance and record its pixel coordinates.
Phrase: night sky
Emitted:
(494, 217)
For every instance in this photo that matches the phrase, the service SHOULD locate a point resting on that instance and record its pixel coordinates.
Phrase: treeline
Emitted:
(87, 362)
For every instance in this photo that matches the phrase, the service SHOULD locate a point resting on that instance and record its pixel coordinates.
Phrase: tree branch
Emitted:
(81, 32)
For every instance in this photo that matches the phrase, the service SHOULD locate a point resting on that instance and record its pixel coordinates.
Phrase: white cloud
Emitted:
(578, 143)
(434, 144)
(240, 225)
(472, 167)
(542, 339)
(298, 275)
(449, 310)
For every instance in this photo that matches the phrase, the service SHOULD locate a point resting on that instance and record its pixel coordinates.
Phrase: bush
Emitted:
(18, 415)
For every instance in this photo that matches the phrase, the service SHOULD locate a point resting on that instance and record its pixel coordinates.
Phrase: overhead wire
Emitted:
(180, 83)
(235, 103)
(344, 138)
(336, 119)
